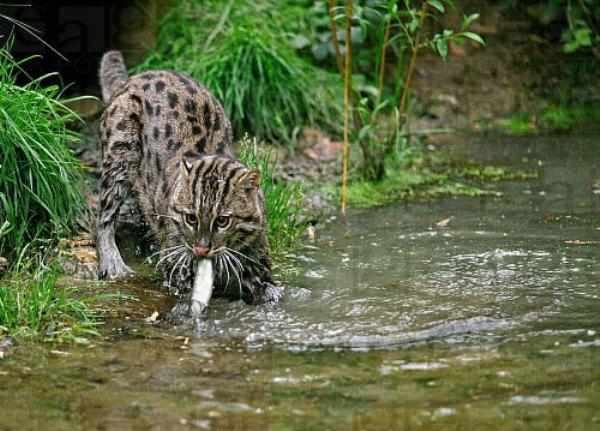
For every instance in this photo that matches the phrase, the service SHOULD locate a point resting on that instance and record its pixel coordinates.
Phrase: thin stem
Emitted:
(413, 61)
(334, 38)
(347, 85)
(386, 38)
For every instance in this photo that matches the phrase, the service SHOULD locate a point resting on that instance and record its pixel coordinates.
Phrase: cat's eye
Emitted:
(222, 222)
(191, 219)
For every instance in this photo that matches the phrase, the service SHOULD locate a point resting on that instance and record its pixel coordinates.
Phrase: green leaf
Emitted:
(473, 36)
(583, 37)
(413, 25)
(468, 20)
(437, 4)
(441, 46)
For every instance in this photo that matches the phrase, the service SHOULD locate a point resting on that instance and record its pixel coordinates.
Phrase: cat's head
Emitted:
(216, 205)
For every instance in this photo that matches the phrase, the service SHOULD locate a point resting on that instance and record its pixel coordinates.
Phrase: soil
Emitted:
(520, 69)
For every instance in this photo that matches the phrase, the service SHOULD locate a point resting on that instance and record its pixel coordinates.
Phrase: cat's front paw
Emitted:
(114, 268)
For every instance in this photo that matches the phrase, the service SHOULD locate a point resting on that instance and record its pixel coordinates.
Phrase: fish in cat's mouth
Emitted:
(203, 286)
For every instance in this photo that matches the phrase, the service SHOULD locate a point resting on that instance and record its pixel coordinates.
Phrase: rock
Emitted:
(6, 344)
(316, 145)
(77, 256)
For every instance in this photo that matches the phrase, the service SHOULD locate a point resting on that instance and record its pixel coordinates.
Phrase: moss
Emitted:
(552, 118)
(425, 177)
(517, 124)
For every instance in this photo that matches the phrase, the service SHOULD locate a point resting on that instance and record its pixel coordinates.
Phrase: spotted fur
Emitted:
(166, 139)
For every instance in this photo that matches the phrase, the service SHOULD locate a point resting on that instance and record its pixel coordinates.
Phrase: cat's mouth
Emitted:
(201, 251)
(206, 252)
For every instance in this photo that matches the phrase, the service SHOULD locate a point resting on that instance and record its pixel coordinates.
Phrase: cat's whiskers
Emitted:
(183, 256)
(179, 249)
(185, 263)
(222, 268)
(244, 256)
(221, 257)
(230, 265)
(238, 269)
(164, 250)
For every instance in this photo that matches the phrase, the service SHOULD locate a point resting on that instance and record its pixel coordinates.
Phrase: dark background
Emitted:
(81, 31)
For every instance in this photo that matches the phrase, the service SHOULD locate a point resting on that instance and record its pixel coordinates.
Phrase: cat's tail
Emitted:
(113, 74)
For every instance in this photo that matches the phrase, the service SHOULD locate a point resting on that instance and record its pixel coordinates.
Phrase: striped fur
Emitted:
(167, 139)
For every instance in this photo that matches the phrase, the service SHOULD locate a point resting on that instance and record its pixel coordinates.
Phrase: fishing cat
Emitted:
(167, 140)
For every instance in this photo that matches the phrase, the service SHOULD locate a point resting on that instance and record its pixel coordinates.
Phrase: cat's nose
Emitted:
(200, 250)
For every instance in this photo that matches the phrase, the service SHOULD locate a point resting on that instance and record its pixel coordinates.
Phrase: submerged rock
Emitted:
(6, 344)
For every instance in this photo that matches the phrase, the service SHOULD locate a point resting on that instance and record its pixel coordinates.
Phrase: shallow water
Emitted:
(490, 320)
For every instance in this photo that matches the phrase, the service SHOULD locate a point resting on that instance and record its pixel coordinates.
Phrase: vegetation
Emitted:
(34, 307)
(283, 201)
(242, 55)
(40, 194)
(415, 175)
(554, 117)
(40, 198)
(580, 23)
(401, 28)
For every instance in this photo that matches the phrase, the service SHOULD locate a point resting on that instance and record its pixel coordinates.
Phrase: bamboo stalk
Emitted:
(386, 38)
(347, 85)
(334, 38)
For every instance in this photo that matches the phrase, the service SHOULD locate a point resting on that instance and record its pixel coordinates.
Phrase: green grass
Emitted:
(410, 185)
(39, 176)
(417, 176)
(283, 201)
(518, 124)
(243, 56)
(34, 307)
(553, 118)
(565, 118)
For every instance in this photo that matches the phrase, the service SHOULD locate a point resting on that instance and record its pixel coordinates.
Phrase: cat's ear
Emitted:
(251, 180)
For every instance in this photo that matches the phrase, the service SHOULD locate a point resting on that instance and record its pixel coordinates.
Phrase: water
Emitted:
(488, 321)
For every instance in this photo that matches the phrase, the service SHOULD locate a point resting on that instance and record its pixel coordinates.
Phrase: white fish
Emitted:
(203, 286)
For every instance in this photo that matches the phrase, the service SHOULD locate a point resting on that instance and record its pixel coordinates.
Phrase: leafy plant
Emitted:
(40, 192)
(583, 24)
(283, 201)
(244, 57)
(578, 21)
(404, 28)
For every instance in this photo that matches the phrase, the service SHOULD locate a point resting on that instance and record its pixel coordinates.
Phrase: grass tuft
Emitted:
(39, 176)
(265, 87)
(37, 308)
(283, 201)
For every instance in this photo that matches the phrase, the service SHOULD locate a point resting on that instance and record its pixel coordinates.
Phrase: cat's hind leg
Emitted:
(120, 130)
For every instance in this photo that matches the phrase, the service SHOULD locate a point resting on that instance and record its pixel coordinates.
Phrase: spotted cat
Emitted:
(167, 140)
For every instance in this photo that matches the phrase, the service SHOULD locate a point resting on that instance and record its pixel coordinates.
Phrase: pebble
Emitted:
(6, 344)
